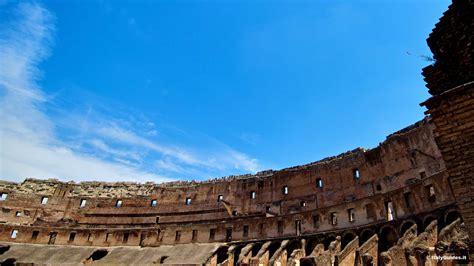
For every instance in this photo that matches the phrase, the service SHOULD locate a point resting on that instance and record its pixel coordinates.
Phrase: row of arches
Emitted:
(388, 233)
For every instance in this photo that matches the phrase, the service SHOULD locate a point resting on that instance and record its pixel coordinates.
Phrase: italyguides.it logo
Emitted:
(448, 257)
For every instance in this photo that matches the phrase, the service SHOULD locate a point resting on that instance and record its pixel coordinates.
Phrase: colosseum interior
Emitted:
(408, 201)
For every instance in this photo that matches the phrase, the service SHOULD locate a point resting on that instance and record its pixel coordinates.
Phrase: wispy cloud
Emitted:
(40, 138)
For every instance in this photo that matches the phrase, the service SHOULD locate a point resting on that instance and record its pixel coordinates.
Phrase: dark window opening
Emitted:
(157, 219)
(319, 183)
(34, 235)
(153, 203)
(97, 255)
(253, 195)
(430, 193)
(423, 175)
(407, 196)
(90, 238)
(234, 213)
(280, 227)
(212, 234)
(125, 237)
(284, 190)
(268, 209)
(44, 200)
(262, 229)
(72, 236)
(107, 237)
(142, 238)
(379, 187)
(177, 236)
(303, 203)
(246, 231)
(220, 198)
(356, 173)
(3, 196)
(333, 218)
(195, 235)
(14, 233)
(298, 227)
(158, 234)
(188, 201)
(228, 235)
(351, 214)
(316, 221)
(390, 210)
(52, 238)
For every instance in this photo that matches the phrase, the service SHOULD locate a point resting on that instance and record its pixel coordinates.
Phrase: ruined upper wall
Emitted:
(451, 44)
(397, 154)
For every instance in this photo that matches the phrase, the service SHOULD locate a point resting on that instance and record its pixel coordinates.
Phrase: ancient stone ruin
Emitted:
(408, 201)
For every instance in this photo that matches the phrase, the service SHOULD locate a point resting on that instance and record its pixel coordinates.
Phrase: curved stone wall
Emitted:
(402, 177)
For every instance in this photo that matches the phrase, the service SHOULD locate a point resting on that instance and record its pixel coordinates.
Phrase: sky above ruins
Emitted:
(163, 90)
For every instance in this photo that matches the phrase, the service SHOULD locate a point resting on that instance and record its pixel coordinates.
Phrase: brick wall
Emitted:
(451, 82)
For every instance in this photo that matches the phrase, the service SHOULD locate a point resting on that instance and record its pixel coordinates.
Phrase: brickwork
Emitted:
(451, 82)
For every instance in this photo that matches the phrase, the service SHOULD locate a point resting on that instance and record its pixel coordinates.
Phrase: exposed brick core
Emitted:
(451, 82)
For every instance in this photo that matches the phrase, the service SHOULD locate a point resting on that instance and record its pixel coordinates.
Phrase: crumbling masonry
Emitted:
(408, 201)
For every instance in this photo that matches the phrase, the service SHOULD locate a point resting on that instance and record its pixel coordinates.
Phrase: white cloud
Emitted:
(102, 142)
(28, 145)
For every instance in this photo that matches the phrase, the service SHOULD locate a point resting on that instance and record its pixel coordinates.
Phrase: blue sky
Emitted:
(163, 90)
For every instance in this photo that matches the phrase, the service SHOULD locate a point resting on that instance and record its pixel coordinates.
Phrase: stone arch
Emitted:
(365, 235)
(387, 237)
(311, 244)
(307, 261)
(327, 240)
(222, 254)
(97, 255)
(292, 246)
(427, 220)
(405, 225)
(273, 247)
(4, 249)
(451, 216)
(256, 248)
(347, 237)
(237, 252)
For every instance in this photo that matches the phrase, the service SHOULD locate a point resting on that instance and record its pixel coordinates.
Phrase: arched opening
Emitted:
(452, 216)
(347, 238)
(405, 226)
(256, 248)
(365, 235)
(237, 252)
(311, 244)
(307, 262)
(292, 246)
(97, 255)
(222, 254)
(388, 238)
(274, 246)
(9, 262)
(327, 241)
(163, 259)
(4, 249)
(427, 221)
